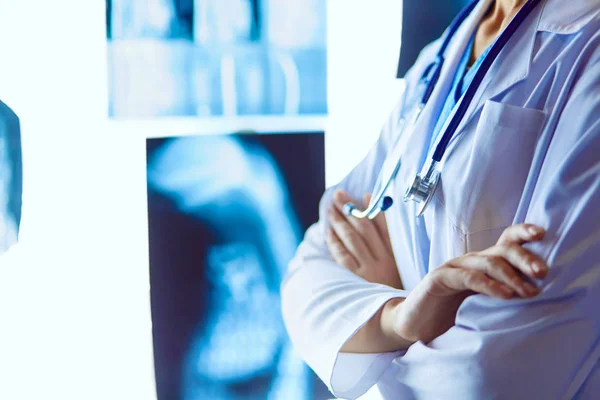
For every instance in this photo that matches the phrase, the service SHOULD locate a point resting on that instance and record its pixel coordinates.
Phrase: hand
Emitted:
(500, 271)
(361, 245)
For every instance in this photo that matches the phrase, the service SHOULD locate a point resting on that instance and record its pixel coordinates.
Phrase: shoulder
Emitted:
(426, 56)
(569, 17)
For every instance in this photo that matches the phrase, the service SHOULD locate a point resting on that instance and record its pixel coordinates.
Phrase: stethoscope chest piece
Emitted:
(423, 189)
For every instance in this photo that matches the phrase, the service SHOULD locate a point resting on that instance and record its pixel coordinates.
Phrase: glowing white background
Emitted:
(74, 294)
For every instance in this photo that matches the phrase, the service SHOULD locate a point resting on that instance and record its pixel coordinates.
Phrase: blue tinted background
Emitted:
(216, 57)
(11, 177)
(225, 216)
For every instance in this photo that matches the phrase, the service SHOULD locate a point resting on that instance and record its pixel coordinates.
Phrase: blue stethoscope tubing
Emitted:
(425, 183)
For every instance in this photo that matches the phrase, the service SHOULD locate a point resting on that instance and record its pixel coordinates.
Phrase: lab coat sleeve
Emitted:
(325, 304)
(543, 347)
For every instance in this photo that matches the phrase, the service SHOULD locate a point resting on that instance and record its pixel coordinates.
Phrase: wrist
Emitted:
(391, 321)
(405, 324)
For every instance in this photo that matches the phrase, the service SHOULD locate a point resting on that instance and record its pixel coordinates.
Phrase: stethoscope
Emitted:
(426, 182)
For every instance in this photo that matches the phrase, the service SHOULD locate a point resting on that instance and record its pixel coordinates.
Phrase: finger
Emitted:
(341, 198)
(350, 238)
(521, 233)
(380, 222)
(366, 200)
(365, 227)
(380, 225)
(338, 251)
(459, 279)
(498, 269)
(521, 259)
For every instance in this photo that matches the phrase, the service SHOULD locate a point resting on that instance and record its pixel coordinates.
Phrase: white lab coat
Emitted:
(527, 150)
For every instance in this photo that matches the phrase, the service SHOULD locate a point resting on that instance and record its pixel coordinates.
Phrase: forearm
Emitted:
(324, 305)
(379, 335)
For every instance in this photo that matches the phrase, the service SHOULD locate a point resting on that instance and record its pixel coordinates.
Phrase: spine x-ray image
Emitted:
(11, 177)
(206, 58)
(226, 213)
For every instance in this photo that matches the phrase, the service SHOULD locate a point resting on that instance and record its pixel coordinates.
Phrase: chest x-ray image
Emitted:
(226, 213)
(11, 177)
(206, 58)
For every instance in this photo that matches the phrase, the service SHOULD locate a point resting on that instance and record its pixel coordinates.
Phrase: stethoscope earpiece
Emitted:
(347, 209)
(387, 203)
(371, 212)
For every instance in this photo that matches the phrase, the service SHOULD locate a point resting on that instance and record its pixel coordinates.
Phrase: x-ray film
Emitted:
(207, 58)
(11, 177)
(226, 213)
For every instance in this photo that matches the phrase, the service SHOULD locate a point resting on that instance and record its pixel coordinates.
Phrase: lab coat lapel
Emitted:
(511, 67)
(418, 143)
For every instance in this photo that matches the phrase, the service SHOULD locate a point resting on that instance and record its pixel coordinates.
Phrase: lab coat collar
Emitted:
(567, 17)
(511, 67)
(514, 62)
(453, 55)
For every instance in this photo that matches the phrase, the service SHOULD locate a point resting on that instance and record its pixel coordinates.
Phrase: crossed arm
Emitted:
(363, 247)
(557, 330)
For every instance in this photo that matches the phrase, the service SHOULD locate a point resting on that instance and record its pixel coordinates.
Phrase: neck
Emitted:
(506, 8)
(500, 14)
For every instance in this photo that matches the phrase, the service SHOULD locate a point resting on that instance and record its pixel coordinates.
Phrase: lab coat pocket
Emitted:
(486, 171)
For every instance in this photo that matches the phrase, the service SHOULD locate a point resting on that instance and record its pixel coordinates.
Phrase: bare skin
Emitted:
(499, 16)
